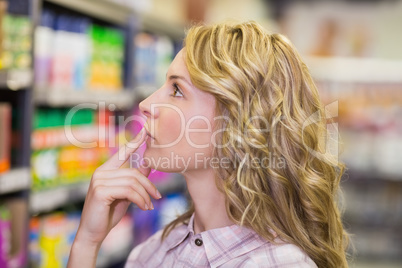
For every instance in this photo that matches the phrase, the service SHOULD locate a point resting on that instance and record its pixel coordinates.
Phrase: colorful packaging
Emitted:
(45, 168)
(43, 38)
(16, 42)
(71, 53)
(5, 235)
(51, 240)
(33, 246)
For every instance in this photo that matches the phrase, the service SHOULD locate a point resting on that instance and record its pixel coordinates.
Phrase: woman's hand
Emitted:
(110, 192)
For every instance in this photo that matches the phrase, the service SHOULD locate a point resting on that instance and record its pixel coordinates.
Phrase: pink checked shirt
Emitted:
(230, 246)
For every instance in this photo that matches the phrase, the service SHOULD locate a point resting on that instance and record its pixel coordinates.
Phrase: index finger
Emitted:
(124, 152)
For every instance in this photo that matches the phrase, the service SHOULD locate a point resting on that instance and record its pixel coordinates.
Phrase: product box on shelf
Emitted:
(50, 239)
(12, 230)
(5, 235)
(72, 53)
(16, 42)
(68, 150)
(45, 168)
(106, 69)
(3, 9)
(5, 136)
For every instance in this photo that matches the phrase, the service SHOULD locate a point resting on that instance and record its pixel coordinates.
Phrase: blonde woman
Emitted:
(234, 112)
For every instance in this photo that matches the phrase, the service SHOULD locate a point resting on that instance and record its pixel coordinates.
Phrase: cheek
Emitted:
(169, 127)
(184, 134)
(199, 133)
(181, 135)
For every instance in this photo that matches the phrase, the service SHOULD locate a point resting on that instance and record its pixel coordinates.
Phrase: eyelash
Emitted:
(176, 89)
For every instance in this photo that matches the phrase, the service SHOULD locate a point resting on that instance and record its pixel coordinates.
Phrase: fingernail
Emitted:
(158, 194)
(152, 206)
(146, 207)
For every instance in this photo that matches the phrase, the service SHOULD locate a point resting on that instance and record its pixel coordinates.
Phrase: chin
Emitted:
(164, 162)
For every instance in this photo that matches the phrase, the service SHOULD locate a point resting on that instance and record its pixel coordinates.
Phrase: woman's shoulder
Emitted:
(155, 247)
(239, 246)
(152, 243)
(277, 255)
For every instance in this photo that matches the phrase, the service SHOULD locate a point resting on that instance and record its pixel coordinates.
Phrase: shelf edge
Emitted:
(48, 200)
(100, 9)
(56, 98)
(15, 180)
(16, 79)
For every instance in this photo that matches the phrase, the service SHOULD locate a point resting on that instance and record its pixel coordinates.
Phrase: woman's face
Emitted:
(179, 119)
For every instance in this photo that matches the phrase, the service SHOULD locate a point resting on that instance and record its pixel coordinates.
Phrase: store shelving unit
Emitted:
(48, 200)
(343, 69)
(17, 87)
(372, 184)
(105, 10)
(18, 178)
(111, 13)
(120, 14)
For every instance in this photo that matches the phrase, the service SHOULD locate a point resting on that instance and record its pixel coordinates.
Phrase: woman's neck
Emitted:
(209, 202)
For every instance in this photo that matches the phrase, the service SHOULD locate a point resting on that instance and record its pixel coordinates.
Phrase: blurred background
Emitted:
(72, 73)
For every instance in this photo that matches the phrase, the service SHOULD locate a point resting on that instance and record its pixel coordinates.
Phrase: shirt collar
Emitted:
(221, 244)
(180, 234)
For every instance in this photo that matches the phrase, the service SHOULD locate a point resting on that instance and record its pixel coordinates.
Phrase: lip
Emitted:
(148, 134)
(147, 131)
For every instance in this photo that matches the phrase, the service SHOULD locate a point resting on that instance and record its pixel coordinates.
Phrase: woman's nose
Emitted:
(144, 109)
(147, 108)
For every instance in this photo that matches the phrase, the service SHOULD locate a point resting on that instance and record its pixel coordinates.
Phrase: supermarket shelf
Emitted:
(48, 200)
(15, 180)
(353, 175)
(15, 79)
(155, 25)
(114, 12)
(56, 98)
(102, 9)
(369, 224)
(343, 69)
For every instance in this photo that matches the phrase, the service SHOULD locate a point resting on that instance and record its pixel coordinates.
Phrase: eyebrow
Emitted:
(180, 77)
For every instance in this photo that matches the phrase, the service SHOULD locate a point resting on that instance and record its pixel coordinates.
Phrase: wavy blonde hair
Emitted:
(257, 75)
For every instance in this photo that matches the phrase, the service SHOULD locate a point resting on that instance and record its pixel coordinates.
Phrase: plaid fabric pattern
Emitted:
(227, 247)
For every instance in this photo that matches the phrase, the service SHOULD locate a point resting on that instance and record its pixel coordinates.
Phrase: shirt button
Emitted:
(198, 242)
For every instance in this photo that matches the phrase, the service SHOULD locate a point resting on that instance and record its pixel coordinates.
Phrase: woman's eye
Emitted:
(176, 92)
